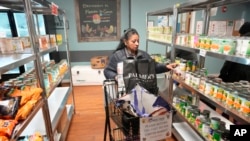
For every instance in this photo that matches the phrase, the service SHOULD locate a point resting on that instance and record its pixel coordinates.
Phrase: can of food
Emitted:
(245, 106)
(227, 90)
(215, 88)
(206, 113)
(230, 99)
(215, 123)
(193, 116)
(188, 77)
(239, 42)
(217, 135)
(220, 92)
(208, 86)
(238, 101)
(214, 45)
(245, 49)
(229, 46)
(206, 129)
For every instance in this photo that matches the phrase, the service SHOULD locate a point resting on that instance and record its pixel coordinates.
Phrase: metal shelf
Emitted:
(159, 42)
(189, 49)
(194, 6)
(46, 51)
(190, 125)
(213, 113)
(231, 112)
(237, 59)
(183, 132)
(12, 61)
(55, 84)
(70, 112)
(56, 103)
(232, 58)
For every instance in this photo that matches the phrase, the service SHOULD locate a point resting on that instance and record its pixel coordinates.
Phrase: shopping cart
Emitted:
(119, 125)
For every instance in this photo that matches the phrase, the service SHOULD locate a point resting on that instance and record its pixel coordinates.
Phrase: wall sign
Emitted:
(98, 20)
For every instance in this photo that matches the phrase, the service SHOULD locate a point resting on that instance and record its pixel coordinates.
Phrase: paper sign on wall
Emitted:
(156, 128)
(54, 9)
(199, 26)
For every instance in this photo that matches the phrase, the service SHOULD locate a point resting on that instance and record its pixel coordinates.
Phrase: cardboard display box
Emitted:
(99, 62)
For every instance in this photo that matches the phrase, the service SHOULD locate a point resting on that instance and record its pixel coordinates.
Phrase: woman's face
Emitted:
(132, 43)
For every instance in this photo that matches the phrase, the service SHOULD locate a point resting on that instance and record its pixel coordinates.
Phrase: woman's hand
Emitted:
(171, 66)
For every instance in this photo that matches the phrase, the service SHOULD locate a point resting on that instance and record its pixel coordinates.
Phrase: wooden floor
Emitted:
(89, 119)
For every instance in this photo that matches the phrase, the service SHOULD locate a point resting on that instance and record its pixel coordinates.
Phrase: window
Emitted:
(22, 26)
(5, 30)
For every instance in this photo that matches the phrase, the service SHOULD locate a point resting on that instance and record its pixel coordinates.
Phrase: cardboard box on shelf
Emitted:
(99, 62)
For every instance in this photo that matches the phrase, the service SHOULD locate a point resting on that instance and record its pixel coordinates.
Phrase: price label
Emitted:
(203, 52)
(54, 9)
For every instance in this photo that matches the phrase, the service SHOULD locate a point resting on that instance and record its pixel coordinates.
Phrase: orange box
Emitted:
(99, 62)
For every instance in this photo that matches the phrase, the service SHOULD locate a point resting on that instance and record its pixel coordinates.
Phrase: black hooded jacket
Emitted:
(120, 55)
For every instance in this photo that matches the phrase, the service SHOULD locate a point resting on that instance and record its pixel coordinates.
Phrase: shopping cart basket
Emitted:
(119, 124)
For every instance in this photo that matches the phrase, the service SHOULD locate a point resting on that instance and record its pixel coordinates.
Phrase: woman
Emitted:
(129, 48)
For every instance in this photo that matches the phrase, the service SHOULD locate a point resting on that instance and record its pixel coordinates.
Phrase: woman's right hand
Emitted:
(171, 66)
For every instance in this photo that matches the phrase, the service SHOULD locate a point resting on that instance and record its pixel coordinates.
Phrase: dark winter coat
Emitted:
(120, 55)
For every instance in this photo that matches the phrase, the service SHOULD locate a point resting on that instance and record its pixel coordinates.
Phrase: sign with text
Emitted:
(239, 132)
(98, 20)
(156, 128)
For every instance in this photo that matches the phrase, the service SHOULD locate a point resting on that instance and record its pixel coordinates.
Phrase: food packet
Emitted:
(24, 111)
(9, 107)
(7, 127)
(3, 138)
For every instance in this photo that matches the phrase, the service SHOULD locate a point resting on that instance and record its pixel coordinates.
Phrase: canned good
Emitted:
(230, 99)
(206, 129)
(215, 44)
(245, 49)
(215, 123)
(193, 116)
(196, 81)
(208, 86)
(183, 104)
(217, 135)
(225, 94)
(245, 106)
(239, 42)
(187, 111)
(189, 65)
(238, 102)
(202, 84)
(188, 77)
(229, 46)
(206, 113)
(220, 92)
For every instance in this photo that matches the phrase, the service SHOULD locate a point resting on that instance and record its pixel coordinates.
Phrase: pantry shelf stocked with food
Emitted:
(33, 106)
(201, 88)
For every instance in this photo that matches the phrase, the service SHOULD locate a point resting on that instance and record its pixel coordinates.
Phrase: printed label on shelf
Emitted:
(203, 52)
